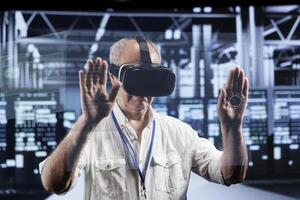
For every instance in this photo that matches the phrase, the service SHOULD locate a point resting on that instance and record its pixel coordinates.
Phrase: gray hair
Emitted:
(118, 47)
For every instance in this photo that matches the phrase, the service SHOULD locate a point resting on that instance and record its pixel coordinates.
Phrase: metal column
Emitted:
(195, 57)
(243, 40)
(260, 75)
(1, 48)
(206, 53)
(11, 51)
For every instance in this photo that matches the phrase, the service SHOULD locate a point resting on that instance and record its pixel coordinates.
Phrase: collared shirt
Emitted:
(177, 150)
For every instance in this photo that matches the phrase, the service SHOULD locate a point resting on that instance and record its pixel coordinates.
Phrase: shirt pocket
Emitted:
(110, 177)
(169, 173)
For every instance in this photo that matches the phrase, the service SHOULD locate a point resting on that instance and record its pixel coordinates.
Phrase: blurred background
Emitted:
(42, 51)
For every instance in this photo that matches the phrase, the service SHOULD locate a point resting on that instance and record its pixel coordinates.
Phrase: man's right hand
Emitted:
(95, 102)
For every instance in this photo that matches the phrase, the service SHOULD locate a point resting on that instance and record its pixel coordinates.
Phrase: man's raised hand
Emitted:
(95, 102)
(237, 85)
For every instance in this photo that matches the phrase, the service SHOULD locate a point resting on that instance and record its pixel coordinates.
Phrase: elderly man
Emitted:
(128, 151)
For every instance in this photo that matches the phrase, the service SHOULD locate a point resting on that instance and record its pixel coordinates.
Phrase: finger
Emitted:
(222, 98)
(234, 80)
(89, 74)
(240, 82)
(82, 81)
(103, 73)
(114, 91)
(114, 80)
(96, 71)
(246, 87)
(229, 80)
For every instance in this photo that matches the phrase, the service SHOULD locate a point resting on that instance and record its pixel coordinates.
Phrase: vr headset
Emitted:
(145, 78)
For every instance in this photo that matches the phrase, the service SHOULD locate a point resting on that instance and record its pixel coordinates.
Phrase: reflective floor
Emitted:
(200, 187)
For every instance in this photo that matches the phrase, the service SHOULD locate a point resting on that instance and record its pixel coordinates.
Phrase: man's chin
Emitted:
(141, 107)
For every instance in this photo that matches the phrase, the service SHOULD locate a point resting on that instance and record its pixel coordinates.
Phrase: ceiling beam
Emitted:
(136, 14)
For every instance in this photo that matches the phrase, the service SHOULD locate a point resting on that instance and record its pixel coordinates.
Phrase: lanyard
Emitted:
(131, 153)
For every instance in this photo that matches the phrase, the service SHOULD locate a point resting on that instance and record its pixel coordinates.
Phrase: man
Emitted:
(115, 126)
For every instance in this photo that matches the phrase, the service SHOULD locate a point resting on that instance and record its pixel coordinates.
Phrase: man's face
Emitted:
(130, 103)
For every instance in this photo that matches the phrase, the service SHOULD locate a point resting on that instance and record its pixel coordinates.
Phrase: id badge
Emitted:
(143, 192)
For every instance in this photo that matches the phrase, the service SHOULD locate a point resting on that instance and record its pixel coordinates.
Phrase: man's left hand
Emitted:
(232, 101)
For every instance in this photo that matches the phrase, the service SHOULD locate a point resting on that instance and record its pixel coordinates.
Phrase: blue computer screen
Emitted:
(35, 132)
(286, 129)
(5, 162)
(191, 111)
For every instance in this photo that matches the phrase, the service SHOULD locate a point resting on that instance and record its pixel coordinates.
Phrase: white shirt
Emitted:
(177, 150)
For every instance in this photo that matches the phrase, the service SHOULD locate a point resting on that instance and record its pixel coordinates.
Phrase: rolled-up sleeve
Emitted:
(206, 160)
(81, 165)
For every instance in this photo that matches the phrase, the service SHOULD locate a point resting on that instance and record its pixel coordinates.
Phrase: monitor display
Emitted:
(35, 132)
(5, 163)
(69, 119)
(191, 111)
(213, 126)
(160, 108)
(255, 130)
(286, 129)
